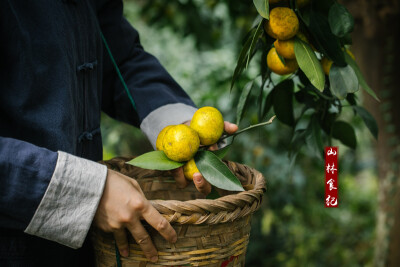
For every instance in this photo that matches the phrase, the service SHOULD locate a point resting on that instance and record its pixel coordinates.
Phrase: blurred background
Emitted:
(198, 42)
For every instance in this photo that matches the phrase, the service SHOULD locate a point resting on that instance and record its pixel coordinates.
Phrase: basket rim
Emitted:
(212, 211)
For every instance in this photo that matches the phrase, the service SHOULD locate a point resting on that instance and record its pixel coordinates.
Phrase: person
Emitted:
(56, 77)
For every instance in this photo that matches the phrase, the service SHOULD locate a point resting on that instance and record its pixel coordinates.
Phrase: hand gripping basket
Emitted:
(210, 232)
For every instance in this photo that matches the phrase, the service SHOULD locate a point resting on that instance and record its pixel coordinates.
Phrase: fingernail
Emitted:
(124, 252)
(197, 177)
(174, 239)
(154, 259)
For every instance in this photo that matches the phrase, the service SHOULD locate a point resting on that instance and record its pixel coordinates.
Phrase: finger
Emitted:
(143, 239)
(158, 222)
(230, 128)
(213, 147)
(179, 177)
(201, 184)
(122, 242)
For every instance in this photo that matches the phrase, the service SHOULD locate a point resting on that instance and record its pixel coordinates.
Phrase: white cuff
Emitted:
(68, 206)
(163, 116)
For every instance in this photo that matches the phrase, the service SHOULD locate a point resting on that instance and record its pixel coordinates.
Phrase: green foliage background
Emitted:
(198, 42)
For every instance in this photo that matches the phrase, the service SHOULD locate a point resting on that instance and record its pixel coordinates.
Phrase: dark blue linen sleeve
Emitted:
(25, 172)
(149, 83)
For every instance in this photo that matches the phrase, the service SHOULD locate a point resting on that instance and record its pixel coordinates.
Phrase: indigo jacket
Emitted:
(55, 79)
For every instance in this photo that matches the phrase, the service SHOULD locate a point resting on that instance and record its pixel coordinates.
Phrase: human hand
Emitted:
(121, 208)
(201, 184)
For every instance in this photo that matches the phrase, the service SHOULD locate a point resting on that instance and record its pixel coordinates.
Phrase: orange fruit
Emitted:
(327, 63)
(276, 65)
(285, 48)
(180, 143)
(283, 23)
(160, 137)
(189, 169)
(209, 124)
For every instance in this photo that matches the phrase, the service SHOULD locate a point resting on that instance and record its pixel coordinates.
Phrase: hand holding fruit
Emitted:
(181, 142)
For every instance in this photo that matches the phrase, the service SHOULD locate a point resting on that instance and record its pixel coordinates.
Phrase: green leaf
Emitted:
(281, 58)
(155, 160)
(340, 20)
(221, 153)
(313, 135)
(268, 103)
(307, 97)
(343, 80)
(216, 172)
(283, 102)
(254, 40)
(298, 140)
(369, 121)
(360, 77)
(325, 41)
(262, 7)
(213, 194)
(260, 101)
(265, 71)
(241, 63)
(309, 64)
(242, 101)
(352, 99)
(344, 132)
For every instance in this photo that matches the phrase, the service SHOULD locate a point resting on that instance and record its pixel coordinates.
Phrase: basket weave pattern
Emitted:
(210, 232)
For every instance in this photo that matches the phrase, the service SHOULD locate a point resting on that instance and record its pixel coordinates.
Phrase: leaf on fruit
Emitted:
(359, 75)
(155, 160)
(369, 121)
(262, 7)
(242, 101)
(309, 64)
(283, 102)
(216, 172)
(344, 132)
(340, 20)
(343, 80)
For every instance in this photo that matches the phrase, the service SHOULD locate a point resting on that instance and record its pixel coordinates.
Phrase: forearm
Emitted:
(67, 208)
(48, 194)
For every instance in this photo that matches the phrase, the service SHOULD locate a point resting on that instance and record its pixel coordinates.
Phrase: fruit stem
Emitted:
(248, 128)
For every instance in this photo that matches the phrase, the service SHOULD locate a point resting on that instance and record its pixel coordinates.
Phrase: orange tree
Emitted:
(307, 74)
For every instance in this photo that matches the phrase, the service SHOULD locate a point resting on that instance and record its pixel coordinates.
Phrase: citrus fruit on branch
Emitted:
(209, 124)
(180, 143)
(285, 48)
(189, 169)
(160, 137)
(276, 65)
(283, 23)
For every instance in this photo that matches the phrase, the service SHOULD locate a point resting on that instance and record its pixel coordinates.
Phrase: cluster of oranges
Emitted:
(181, 142)
(283, 25)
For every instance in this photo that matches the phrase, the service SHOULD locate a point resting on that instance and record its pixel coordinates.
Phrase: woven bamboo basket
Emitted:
(210, 232)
